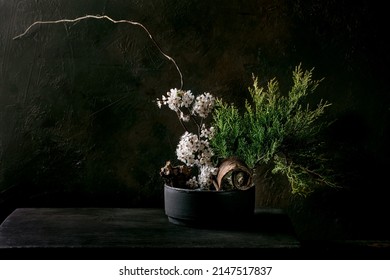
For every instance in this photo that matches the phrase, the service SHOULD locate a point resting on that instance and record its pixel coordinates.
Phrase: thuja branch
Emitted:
(113, 21)
(319, 177)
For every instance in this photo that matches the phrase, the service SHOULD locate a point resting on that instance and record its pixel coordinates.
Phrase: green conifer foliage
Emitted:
(280, 130)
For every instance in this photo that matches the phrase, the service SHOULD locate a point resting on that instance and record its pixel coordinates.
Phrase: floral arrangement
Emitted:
(274, 129)
(194, 148)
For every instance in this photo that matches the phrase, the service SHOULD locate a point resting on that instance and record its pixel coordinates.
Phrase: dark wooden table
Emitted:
(139, 229)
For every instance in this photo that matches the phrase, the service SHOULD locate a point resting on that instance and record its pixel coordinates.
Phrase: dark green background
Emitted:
(78, 126)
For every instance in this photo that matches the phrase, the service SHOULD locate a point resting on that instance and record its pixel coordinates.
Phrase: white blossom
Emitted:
(184, 117)
(205, 175)
(176, 99)
(204, 104)
(193, 149)
(187, 98)
(188, 148)
(192, 183)
(207, 133)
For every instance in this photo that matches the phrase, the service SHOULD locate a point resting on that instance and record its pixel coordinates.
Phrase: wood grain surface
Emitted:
(136, 228)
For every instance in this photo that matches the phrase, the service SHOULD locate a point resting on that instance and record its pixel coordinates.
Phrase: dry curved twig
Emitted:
(111, 20)
(242, 176)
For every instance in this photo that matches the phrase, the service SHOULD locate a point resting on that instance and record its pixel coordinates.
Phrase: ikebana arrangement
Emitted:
(276, 129)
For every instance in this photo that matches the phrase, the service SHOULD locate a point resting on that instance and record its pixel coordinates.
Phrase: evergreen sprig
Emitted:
(278, 129)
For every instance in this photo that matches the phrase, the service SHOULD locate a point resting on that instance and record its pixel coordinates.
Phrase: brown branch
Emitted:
(181, 121)
(113, 21)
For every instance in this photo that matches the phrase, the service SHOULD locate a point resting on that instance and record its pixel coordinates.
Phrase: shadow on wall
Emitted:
(357, 210)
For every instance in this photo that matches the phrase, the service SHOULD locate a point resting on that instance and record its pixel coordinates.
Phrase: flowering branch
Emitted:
(181, 121)
(194, 148)
(111, 20)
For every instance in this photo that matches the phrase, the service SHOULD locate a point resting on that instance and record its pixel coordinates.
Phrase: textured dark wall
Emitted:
(77, 122)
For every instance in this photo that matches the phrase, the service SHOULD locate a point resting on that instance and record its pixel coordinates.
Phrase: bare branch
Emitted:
(113, 21)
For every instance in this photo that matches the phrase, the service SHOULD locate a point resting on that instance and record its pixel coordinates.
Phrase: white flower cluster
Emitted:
(178, 99)
(194, 149)
(204, 104)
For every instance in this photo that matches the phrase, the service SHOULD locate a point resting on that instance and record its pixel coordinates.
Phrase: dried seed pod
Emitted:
(175, 176)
